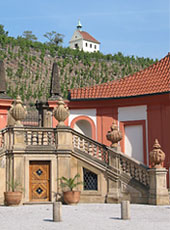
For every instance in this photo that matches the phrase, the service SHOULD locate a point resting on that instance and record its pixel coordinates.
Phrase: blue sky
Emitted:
(133, 27)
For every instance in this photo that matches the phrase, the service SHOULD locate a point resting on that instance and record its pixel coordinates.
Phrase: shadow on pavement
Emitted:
(115, 218)
(48, 220)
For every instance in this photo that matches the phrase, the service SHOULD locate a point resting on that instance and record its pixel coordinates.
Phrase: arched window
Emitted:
(84, 127)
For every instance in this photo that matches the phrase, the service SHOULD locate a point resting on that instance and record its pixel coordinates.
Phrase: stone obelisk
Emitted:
(2, 78)
(55, 91)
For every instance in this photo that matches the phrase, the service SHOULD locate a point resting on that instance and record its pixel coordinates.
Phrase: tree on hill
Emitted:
(29, 35)
(2, 31)
(54, 38)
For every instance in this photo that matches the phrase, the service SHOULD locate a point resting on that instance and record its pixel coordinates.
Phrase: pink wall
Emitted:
(4, 107)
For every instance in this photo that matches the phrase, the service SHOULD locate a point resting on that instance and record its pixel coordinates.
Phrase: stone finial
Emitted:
(18, 111)
(2, 78)
(157, 156)
(10, 120)
(114, 135)
(61, 112)
(55, 91)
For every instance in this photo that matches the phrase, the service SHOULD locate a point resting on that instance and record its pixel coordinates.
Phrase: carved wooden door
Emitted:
(39, 181)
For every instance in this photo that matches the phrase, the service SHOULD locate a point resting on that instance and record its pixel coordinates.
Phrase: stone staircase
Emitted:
(124, 177)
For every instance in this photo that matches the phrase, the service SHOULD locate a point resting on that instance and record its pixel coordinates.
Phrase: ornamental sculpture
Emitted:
(157, 156)
(114, 135)
(61, 112)
(18, 111)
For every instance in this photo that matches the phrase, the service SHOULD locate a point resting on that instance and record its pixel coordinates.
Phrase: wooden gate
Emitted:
(39, 181)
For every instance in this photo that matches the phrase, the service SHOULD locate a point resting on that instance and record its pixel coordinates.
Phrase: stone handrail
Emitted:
(89, 146)
(131, 167)
(134, 169)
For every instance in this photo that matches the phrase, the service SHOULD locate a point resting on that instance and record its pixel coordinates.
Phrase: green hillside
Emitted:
(28, 67)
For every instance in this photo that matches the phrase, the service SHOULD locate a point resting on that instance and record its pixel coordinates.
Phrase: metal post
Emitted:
(57, 211)
(125, 210)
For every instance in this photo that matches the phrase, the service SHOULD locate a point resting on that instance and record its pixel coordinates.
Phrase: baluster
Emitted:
(128, 167)
(52, 138)
(81, 144)
(123, 163)
(34, 138)
(45, 138)
(132, 171)
(29, 137)
(100, 153)
(49, 139)
(90, 149)
(94, 150)
(86, 147)
(136, 173)
(40, 138)
(76, 141)
(140, 176)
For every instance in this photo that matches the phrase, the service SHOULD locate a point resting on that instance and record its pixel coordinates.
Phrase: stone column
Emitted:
(64, 148)
(158, 192)
(113, 195)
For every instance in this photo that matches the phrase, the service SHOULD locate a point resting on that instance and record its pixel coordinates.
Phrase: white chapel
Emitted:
(84, 41)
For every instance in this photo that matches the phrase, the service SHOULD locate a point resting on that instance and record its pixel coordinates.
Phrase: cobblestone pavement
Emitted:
(85, 217)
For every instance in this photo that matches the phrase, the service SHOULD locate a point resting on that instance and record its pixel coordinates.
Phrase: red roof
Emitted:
(88, 37)
(152, 80)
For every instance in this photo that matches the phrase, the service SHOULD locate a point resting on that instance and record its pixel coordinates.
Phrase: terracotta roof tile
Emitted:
(88, 37)
(154, 79)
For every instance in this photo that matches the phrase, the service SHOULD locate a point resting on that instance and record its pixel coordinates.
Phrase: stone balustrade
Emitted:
(134, 169)
(39, 136)
(90, 147)
(48, 137)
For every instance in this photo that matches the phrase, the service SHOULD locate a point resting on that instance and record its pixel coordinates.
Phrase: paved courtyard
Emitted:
(85, 217)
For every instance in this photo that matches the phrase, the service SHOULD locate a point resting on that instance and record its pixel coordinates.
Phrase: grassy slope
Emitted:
(28, 67)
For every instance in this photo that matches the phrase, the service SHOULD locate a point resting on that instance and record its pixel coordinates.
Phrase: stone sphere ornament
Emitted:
(157, 156)
(18, 111)
(61, 112)
(114, 135)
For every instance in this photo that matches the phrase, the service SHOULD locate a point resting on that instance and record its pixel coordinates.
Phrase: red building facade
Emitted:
(140, 103)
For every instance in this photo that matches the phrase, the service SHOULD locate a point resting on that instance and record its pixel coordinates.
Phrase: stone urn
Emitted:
(114, 135)
(61, 112)
(18, 111)
(156, 156)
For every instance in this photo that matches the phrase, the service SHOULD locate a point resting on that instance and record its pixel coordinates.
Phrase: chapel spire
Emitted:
(79, 26)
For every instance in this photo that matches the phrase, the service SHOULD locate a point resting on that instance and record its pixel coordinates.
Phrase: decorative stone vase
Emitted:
(114, 135)
(157, 156)
(71, 197)
(12, 198)
(18, 111)
(61, 112)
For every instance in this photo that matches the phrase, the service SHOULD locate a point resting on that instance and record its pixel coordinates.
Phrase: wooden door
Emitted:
(39, 181)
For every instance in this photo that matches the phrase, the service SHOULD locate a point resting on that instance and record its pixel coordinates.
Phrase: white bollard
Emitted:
(125, 210)
(57, 211)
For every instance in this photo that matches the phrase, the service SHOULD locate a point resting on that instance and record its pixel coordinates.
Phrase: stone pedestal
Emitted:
(19, 139)
(113, 195)
(158, 193)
